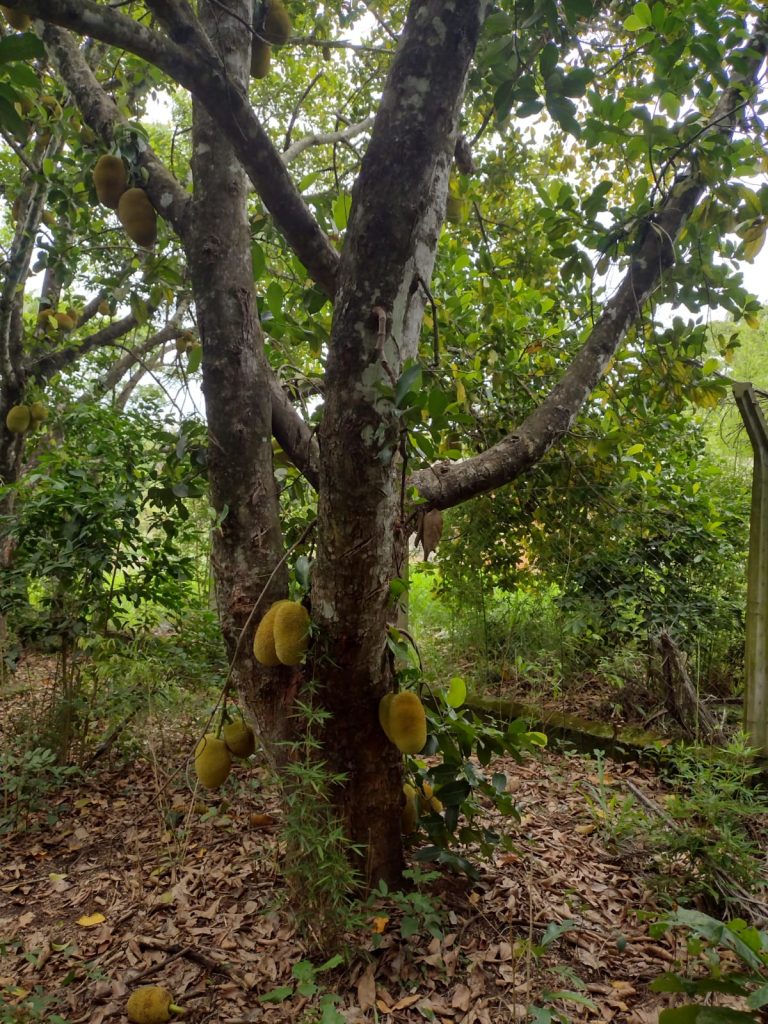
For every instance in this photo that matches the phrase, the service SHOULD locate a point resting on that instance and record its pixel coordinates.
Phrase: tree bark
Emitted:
(247, 542)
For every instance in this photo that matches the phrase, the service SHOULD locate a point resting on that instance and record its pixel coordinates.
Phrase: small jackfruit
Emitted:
(407, 722)
(456, 210)
(428, 801)
(277, 24)
(16, 19)
(110, 180)
(138, 217)
(384, 705)
(38, 412)
(18, 419)
(184, 342)
(151, 1004)
(264, 639)
(239, 738)
(104, 308)
(65, 321)
(261, 58)
(410, 813)
(212, 761)
(291, 632)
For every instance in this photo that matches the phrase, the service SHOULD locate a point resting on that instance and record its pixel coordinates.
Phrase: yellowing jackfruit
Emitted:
(428, 801)
(138, 217)
(18, 419)
(261, 58)
(277, 24)
(407, 722)
(264, 639)
(38, 412)
(384, 705)
(184, 342)
(110, 180)
(239, 738)
(291, 631)
(16, 19)
(150, 1004)
(64, 321)
(410, 812)
(212, 761)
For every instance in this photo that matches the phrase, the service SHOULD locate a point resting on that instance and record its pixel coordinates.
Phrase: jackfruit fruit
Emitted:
(151, 1004)
(103, 308)
(291, 632)
(407, 723)
(38, 412)
(456, 210)
(65, 321)
(384, 705)
(138, 217)
(51, 104)
(49, 218)
(16, 19)
(410, 813)
(239, 738)
(212, 761)
(264, 638)
(87, 135)
(277, 24)
(184, 342)
(110, 180)
(427, 799)
(261, 58)
(18, 419)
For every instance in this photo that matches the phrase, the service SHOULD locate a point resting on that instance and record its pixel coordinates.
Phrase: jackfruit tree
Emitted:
(418, 258)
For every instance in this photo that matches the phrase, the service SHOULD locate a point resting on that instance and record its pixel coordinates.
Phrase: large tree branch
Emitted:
(102, 115)
(324, 138)
(444, 485)
(198, 68)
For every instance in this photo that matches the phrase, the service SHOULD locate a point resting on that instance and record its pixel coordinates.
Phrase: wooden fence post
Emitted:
(756, 651)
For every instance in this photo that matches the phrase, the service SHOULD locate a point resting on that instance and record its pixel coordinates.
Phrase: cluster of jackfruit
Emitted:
(51, 320)
(22, 418)
(213, 754)
(402, 717)
(282, 636)
(272, 27)
(151, 1004)
(417, 803)
(16, 19)
(134, 208)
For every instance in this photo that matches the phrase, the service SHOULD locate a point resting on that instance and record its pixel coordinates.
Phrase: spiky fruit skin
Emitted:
(17, 19)
(18, 419)
(384, 707)
(110, 180)
(261, 58)
(150, 1004)
(277, 24)
(38, 412)
(138, 217)
(410, 813)
(213, 762)
(291, 630)
(264, 640)
(407, 723)
(239, 738)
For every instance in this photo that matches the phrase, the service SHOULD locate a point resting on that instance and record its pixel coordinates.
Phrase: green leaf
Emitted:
(342, 205)
(24, 46)
(276, 995)
(409, 378)
(258, 260)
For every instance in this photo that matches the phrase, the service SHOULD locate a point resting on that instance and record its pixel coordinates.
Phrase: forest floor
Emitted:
(128, 876)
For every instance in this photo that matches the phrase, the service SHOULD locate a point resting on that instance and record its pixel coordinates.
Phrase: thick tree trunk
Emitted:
(247, 543)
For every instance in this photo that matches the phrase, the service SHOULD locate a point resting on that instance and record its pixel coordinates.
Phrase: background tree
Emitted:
(664, 108)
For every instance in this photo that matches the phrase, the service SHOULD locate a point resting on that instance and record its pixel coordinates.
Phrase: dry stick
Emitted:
(190, 953)
(728, 888)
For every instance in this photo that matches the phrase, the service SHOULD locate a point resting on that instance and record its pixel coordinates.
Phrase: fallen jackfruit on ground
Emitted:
(282, 636)
(406, 722)
(239, 738)
(151, 1004)
(213, 761)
